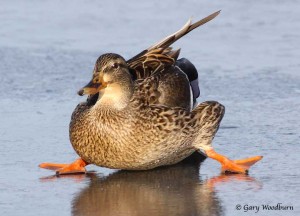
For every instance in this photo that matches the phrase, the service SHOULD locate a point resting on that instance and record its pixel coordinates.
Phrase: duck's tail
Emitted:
(189, 26)
(169, 40)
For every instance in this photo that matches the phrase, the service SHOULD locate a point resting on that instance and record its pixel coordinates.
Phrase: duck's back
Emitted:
(175, 86)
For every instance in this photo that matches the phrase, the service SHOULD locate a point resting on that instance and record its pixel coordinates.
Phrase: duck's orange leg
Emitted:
(78, 166)
(233, 166)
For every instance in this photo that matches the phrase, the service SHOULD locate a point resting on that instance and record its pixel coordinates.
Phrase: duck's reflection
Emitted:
(175, 190)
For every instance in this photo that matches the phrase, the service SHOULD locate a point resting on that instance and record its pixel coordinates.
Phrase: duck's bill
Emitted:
(91, 88)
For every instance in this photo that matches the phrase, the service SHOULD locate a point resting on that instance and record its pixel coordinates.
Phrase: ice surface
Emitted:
(248, 59)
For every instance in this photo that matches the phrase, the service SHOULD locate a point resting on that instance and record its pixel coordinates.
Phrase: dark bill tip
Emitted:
(80, 92)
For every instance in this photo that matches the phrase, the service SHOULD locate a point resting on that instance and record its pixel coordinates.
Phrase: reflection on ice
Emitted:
(175, 190)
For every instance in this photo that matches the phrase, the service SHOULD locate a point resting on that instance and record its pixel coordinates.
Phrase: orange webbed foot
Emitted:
(233, 166)
(76, 167)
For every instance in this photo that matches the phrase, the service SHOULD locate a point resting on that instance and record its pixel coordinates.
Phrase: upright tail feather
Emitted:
(166, 42)
(169, 40)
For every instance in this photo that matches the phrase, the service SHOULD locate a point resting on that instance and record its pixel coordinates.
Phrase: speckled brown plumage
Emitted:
(138, 114)
(141, 135)
(147, 122)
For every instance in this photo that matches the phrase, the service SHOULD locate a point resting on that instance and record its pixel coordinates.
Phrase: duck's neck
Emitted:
(116, 95)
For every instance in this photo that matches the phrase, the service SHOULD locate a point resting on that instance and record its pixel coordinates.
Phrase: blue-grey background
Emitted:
(247, 58)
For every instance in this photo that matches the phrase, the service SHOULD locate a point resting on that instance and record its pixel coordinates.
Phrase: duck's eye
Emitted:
(115, 65)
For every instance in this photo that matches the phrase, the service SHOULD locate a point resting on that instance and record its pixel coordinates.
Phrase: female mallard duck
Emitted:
(138, 114)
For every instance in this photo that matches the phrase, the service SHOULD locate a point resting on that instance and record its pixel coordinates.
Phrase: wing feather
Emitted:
(160, 55)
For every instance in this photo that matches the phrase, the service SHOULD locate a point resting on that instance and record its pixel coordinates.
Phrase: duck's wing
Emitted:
(160, 55)
(146, 91)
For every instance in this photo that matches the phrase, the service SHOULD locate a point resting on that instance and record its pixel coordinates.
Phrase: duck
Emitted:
(141, 113)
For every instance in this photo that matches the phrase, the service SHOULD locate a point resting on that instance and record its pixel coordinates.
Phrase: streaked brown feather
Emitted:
(149, 65)
(143, 134)
(160, 55)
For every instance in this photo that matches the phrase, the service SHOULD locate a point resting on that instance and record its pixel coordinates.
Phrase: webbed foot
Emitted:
(78, 166)
(233, 166)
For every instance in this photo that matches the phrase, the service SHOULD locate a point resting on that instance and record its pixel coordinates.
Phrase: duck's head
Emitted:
(109, 69)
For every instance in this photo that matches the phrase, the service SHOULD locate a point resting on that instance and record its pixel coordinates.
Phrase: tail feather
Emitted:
(166, 42)
(169, 40)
